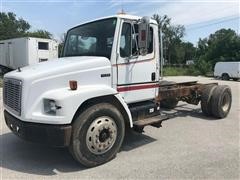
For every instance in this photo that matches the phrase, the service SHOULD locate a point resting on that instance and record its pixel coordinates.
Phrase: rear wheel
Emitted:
(221, 101)
(235, 79)
(97, 136)
(225, 76)
(206, 99)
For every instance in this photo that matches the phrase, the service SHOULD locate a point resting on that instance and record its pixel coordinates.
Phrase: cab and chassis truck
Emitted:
(108, 79)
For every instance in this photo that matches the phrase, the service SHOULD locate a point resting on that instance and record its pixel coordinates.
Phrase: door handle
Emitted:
(153, 76)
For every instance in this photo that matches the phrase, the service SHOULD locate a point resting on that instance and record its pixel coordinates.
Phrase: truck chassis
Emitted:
(215, 100)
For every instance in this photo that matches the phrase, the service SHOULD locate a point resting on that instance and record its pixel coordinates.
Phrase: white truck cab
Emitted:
(107, 79)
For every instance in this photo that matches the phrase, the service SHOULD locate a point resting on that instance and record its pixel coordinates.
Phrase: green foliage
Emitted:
(61, 44)
(180, 71)
(175, 50)
(13, 27)
(40, 34)
(1, 80)
(202, 67)
(223, 45)
(174, 71)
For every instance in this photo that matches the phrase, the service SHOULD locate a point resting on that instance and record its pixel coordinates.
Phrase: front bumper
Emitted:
(52, 135)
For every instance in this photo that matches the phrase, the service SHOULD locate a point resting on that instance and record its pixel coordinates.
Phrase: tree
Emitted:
(40, 34)
(172, 35)
(201, 47)
(13, 27)
(61, 44)
(223, 45)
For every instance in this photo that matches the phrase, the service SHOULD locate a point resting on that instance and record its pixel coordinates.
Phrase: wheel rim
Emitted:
(101, 135)
(226, 102)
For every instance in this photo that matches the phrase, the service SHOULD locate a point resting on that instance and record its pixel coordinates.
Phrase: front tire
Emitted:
(98, 134)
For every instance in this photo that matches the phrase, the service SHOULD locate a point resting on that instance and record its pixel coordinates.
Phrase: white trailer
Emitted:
(227, 70)
(20, 52)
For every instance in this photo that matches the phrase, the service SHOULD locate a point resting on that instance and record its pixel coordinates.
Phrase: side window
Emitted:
(150, 41)
(125, 42)
(43, 45)
(129, 40)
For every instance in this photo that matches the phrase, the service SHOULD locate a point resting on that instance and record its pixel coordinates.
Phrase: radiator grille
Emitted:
(12, 94)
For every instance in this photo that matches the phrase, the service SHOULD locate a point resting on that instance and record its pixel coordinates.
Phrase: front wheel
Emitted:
(97, 136)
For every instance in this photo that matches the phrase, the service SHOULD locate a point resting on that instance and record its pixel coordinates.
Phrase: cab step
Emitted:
(155, 121)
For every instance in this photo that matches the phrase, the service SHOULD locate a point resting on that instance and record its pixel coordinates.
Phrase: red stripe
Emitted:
(134, 62)
(133, 88)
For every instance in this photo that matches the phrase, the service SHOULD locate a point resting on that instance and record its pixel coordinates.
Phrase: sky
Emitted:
(200, 17)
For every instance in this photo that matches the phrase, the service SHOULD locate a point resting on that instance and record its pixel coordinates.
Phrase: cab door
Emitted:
(137, 74)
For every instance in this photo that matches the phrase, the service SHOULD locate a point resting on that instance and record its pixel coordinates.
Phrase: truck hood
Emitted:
(40, 80)
(58, 66)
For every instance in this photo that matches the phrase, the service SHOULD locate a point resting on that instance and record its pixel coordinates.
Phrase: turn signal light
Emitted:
(73, 85)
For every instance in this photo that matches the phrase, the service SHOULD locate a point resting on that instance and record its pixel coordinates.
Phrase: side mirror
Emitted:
(143, 28)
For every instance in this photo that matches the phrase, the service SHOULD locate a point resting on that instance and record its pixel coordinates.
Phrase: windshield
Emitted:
(92, 39)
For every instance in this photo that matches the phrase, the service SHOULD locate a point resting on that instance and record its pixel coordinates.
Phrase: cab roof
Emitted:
(121, 16)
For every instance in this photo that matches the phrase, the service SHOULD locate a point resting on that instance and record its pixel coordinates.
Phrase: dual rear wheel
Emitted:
(216, 100)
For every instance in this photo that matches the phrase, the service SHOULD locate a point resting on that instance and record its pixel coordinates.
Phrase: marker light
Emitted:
(73, 85)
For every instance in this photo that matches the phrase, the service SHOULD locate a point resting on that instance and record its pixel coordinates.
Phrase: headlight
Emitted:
(50, 106)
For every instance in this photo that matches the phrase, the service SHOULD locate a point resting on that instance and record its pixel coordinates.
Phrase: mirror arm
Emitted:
(135, 39)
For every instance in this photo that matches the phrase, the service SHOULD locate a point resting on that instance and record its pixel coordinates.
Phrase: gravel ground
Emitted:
(189, 146)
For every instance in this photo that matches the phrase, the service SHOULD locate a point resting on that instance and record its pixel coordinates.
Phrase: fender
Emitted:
(70, 101)
(125, 106)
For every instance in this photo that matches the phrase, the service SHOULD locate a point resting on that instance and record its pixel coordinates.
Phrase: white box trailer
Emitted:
(20, 52)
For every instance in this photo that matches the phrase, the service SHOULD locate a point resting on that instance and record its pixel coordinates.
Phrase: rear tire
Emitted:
(225, 77)
(235, 79)
(206, 99)
(170, 103)
(97, 135)
(221, 101)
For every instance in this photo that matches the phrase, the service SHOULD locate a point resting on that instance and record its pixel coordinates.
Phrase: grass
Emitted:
(1, 80)
(180, 71)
